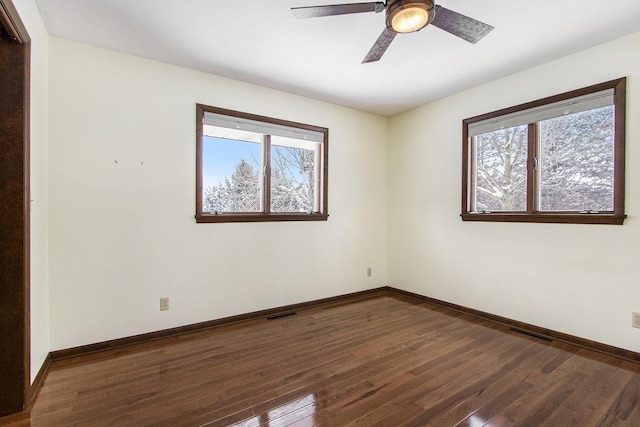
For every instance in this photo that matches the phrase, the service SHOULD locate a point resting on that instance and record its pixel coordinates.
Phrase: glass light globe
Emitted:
(409, 20)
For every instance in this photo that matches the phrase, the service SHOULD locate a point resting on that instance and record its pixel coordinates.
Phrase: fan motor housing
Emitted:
(396, 6)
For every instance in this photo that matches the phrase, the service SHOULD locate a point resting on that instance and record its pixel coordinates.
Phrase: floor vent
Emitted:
(531, 334)
(280, 316)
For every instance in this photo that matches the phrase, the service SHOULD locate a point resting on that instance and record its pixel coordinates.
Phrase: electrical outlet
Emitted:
(164, 304)
(636, 320)
(368, 271)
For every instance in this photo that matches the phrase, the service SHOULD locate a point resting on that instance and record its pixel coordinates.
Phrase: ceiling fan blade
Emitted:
(460, 25)
(380, 46)
(336, 9)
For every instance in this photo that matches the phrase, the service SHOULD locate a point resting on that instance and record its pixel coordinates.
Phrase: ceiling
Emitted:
(260, 42)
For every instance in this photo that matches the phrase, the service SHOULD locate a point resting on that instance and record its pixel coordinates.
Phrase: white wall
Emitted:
(578, 279)
(123, 234)
(39, 187)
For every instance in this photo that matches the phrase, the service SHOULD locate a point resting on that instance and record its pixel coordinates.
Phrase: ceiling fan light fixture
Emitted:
(407, 16)
(409, 20)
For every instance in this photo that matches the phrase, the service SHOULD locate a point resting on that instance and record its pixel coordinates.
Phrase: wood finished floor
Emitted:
(384, 361)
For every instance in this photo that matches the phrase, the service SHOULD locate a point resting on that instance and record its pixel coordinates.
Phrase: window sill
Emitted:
(260, 217)
(546, 218)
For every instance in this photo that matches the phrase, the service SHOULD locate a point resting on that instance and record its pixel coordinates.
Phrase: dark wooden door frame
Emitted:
(15, 348)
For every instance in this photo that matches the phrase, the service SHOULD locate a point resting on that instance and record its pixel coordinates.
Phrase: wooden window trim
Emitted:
(532, 215)
(266, 215)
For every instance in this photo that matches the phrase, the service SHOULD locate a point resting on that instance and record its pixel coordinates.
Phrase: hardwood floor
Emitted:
(384, 361)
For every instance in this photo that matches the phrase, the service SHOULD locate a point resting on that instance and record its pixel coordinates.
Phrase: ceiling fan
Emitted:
(403, 16)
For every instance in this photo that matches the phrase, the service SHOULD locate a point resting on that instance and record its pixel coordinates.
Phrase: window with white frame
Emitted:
(559, 159)
(256, 168)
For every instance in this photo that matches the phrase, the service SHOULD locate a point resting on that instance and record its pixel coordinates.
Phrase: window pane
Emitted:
(576, 161)
(294, 169)
(501, 170)
(231, 174)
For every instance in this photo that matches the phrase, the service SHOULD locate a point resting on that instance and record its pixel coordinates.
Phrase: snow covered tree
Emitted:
(292, 179)
(575, 161)
(241, 193)
(216, 197)
(502, 170)
(244, 191)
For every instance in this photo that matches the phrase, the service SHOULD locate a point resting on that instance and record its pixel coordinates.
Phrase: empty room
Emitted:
(319, 213)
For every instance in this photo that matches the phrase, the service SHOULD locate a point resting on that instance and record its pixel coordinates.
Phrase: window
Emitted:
(558, 159)
(254, 168)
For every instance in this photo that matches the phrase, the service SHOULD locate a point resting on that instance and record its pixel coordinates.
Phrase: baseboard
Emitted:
(537, 330)
(172, 332)
(331, 301)
(346, 298)
(37, 381)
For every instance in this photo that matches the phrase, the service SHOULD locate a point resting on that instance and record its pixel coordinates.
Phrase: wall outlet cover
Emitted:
(635, 322)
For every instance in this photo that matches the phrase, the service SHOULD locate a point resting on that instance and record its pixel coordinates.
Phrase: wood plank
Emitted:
(379, 361)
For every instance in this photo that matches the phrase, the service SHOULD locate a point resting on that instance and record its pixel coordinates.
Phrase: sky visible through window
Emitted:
(220, 157)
